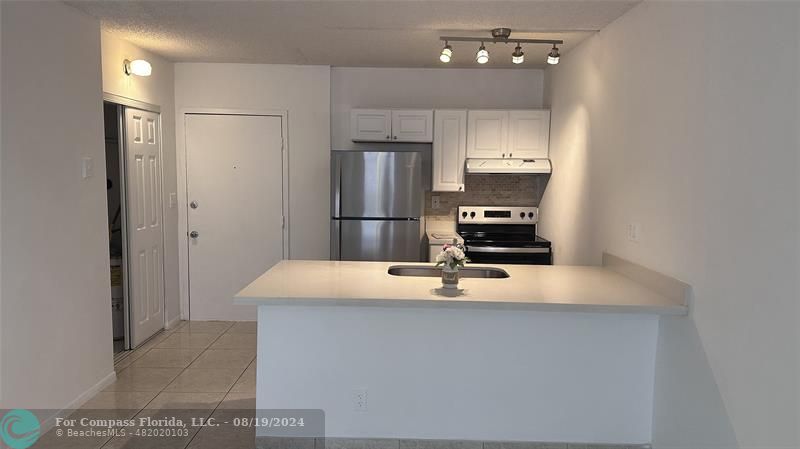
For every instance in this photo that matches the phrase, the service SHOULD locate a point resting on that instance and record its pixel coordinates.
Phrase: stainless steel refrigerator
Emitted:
(376, 204)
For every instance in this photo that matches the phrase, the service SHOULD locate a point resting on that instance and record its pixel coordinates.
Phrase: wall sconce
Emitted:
(138, 67)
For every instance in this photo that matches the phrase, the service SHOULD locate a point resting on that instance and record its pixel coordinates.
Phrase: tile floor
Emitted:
(205, 366)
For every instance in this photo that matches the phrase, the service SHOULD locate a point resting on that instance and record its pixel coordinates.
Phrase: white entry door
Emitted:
(144, 224)
(235, 215)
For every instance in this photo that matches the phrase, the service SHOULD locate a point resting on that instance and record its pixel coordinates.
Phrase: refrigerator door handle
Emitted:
(336, 186)
(336, 239)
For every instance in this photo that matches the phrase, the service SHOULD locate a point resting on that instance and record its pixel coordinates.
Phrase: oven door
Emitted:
(509, 255)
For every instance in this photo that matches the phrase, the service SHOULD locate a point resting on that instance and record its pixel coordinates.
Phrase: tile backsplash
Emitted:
(488, 190)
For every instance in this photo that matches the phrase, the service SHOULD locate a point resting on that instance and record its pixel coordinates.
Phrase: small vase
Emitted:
(449, 277)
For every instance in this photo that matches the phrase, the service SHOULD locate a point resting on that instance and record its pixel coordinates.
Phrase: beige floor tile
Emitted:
(209, 327)
(187, 401)
(168, 358)
(202, 380)
(226, 436)
(185, 340)
(108, 400)
(143, 379)
(225, 358)
(238, 401)
(247, 382)
(244, 327)
(235, 341)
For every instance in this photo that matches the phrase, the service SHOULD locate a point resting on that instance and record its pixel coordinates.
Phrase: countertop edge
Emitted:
(672, 310)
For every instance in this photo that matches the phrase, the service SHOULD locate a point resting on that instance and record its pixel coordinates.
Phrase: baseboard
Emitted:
(173, 322)
(50, 421)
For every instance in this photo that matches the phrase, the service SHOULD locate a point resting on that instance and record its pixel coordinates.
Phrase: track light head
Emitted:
(553, 56)
(447, 53)
(518, 57)
(482, 56)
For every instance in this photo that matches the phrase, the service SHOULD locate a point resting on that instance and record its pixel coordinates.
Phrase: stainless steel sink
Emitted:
(466, 272)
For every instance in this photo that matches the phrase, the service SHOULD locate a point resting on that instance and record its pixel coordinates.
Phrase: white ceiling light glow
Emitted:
(518, 57)
(553, 57)
(482, 56)
(447, 53)
(499, 36)
(138, 67)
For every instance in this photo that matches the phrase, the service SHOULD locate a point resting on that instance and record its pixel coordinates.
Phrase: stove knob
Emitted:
(530, 215)
(522, 215)
(464, 214)
(472, 214)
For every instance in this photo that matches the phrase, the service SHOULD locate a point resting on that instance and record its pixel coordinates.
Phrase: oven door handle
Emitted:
(498, 249)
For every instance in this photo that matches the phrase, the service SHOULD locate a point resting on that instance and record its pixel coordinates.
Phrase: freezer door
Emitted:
(378, 185)
(381, 240)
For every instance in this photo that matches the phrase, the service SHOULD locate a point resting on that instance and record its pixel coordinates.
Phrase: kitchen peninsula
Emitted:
(551, 353)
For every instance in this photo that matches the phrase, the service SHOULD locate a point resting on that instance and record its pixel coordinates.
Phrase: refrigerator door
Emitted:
(377, 185)
(380, 240)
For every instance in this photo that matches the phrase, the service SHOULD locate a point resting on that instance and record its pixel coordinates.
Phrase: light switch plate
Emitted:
(634, 232)
(173, 200)
(87, 168)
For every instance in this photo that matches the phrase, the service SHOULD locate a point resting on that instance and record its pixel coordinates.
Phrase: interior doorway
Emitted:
(135, 225)
(236, 184)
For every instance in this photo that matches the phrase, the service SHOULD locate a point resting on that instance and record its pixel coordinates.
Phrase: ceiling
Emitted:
(348, 33)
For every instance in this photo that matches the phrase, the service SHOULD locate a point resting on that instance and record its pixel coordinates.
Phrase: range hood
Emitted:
(509, 166)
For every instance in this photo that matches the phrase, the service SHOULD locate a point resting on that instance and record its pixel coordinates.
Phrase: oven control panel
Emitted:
(498, 214)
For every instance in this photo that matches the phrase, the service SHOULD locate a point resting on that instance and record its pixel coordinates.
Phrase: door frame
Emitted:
(122, 103)
(183, 188)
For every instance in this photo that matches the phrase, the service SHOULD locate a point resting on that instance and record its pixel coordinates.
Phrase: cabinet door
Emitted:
(412, 126)
(449, 150)
(529, 134)
(370, 125)
(487, 134)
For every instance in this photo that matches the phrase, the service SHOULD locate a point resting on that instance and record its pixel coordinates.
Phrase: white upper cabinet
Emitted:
(386, 125)
(449, 150)
(521, 134)
(487, 134)
(412, 126)
(528, 134)
(371, 125)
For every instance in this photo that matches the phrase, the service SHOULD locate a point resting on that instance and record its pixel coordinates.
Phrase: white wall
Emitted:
(359, 87)
(479, 374)
(157, 89)
(303, 91)
(56, 328)
(682, 116)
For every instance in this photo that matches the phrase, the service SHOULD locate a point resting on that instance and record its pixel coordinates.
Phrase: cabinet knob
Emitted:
(504, 155)
(510, 155)
(388, 137)
(395, 137)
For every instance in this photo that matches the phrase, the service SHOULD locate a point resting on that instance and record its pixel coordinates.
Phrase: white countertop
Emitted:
(536, 287)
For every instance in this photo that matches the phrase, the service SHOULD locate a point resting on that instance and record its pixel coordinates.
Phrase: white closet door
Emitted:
(235, 193)
(144, 224)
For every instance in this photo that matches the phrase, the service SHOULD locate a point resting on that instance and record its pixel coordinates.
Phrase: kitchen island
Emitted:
(551, 353)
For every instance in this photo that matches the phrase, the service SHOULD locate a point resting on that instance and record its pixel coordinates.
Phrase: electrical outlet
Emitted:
(87, 168)
(634, 232)
(436, 202)
(360, 399)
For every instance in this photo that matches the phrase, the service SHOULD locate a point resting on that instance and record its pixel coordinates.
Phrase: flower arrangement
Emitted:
(452, 257)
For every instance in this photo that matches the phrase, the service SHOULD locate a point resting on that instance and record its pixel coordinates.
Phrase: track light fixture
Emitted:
(482, 56)
(553, 56)
(499, 36)
(447, 53)
(518, 57)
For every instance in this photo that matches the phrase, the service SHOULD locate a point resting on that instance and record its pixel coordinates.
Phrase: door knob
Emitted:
(194, 234)
(193, 204)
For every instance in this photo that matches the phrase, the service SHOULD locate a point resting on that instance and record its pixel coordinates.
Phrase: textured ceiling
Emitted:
(347, 33)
